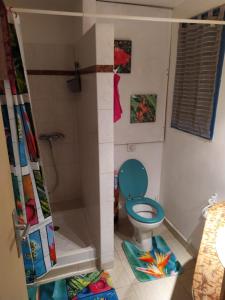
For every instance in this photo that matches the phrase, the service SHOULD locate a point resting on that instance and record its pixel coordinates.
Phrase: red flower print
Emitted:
(140, 116)
(31, 212)
(52, 253)
(143, 107)
(121, 57)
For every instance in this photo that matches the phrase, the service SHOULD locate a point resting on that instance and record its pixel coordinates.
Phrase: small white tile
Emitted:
(106, 157)
(126, 265)
(106, 187)
(35, 85)
(117, 242)
(149, 290)
(49, 56)
(49, 176)
(107, 216)
(105, 44)
(29, 54)
(107, 241)
(126, 293)
(105, 126)
(167, 286)
(87, 58)
(105, 90)
(107, 258)
(66, 153)
(42, 107)
(119, 274)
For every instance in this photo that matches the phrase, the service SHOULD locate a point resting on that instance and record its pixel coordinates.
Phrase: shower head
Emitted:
(53, 136)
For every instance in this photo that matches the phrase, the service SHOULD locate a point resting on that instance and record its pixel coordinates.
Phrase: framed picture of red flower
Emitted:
(143, 108)
(122, 56)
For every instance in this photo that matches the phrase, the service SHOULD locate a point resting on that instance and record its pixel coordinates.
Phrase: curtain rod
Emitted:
(115, 17)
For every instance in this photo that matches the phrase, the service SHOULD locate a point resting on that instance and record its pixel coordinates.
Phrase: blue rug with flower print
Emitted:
(158, 263)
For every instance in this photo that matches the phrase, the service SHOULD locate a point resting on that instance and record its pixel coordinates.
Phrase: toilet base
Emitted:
(143, 240)
(143, 233)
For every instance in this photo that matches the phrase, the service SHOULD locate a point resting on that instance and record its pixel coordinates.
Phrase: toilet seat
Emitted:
(130, 205)
(133, 183)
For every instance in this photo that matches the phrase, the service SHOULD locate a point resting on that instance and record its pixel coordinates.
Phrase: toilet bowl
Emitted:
(144, 213)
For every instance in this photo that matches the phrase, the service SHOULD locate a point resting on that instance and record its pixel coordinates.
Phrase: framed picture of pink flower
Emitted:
(122, 56)
(143, 108)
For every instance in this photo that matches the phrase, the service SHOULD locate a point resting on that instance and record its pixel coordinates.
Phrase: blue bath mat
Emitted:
(158, 263)
(92, 286)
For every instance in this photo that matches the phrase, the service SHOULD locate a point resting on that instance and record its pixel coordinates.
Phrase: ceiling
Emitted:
(163, 3)
(72, 4)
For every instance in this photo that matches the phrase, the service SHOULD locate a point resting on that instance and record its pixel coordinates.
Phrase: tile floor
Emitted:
(127, 286)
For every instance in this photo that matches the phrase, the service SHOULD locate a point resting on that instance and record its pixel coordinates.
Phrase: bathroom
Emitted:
(80, 158)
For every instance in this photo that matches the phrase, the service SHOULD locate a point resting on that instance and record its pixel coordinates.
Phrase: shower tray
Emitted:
(75, 253)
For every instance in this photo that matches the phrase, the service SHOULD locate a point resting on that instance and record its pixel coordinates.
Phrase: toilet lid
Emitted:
(133, 179)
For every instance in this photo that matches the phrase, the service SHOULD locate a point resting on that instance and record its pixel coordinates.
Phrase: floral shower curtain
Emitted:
(31, 199)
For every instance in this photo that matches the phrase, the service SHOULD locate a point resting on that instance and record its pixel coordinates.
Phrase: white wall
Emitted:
(150, 54)
(193, 168)
(190, 8)
(44, 29)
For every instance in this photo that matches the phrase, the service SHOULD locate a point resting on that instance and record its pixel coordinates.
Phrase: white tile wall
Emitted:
(105, 56)
(106, 162)
(89, 6)
(106, 187)
(105, 125)
(87, 58)
(54, 110)
(105, 90)
(105, 44)
(96, 138)
(88, 144)
(49, 56)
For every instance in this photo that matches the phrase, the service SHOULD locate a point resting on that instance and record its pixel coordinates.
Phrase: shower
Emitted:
(50, 138)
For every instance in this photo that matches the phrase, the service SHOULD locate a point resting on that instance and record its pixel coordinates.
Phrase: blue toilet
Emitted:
(144, 213)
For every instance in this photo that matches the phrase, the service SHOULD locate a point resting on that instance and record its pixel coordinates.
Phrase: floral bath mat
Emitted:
(158, 263)
(92, 286)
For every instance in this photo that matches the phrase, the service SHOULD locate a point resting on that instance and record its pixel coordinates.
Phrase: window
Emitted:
(200, 57)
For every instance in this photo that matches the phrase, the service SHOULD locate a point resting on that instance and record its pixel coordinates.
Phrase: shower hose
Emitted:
(56, 183)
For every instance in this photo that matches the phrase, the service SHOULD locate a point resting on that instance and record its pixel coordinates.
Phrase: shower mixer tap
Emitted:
(53, 136)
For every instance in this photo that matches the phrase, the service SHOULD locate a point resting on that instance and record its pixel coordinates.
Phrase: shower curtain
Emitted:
(31, 199)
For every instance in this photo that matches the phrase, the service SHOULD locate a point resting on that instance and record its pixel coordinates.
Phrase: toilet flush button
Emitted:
(131, 147)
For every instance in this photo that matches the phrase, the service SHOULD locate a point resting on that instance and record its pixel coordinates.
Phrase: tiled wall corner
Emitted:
(96, 138)
(105, 90)
(89, 6)
(86, 49)
(54, 110)
(105, 44)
